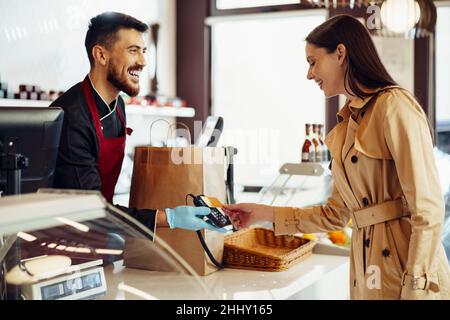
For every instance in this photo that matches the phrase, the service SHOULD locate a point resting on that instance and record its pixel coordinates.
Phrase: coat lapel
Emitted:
(335, 142)
(348, 144)
(336, 137)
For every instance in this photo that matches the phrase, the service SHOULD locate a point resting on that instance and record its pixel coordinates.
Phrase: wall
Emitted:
(42, 42)
(397, 55)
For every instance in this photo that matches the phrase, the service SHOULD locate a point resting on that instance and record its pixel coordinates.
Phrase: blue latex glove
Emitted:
(186, 217)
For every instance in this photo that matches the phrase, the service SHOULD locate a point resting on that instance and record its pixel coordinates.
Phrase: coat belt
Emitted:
(419, 282)
(386, 211)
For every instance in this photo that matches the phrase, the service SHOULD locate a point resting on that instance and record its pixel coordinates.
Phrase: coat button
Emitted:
(365, 202)
(367, 242)
(386, 253)
(354, 159)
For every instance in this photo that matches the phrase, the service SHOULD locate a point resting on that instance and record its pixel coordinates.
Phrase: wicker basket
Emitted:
(260, 249)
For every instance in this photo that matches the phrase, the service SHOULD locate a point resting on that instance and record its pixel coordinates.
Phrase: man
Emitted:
(94, 131)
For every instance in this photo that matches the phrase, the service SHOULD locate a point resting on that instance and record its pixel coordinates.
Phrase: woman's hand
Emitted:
(243, 215)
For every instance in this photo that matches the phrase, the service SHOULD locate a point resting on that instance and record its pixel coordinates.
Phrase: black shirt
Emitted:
(76, 165)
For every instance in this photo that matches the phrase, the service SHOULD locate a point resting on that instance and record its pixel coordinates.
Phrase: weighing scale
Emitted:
(82, 279)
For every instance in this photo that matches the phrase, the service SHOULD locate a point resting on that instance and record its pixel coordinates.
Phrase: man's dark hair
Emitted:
(104, 27)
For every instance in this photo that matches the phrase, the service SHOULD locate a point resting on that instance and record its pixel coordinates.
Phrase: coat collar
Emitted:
(344, 113)
(352, 106)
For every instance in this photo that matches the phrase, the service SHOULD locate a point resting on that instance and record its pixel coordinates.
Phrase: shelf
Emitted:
(24, 103)
(185, 112)
(131, 109)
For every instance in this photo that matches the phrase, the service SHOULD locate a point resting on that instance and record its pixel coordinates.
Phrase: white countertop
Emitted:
(318, 277)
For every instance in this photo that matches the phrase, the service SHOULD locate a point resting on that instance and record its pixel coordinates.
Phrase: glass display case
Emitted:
(71, 245)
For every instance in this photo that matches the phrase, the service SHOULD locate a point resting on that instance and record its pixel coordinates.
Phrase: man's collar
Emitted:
(99, 95)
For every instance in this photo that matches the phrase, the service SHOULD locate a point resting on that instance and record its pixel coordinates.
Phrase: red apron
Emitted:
(111, 151)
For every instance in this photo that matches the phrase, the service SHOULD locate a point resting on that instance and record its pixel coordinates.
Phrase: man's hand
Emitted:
(243, 215)
(191, 218)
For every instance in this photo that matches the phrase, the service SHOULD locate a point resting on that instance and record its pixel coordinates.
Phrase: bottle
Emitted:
(43, 95)
(308, 148)
(316, 144)
(33, 95)
(323, 145)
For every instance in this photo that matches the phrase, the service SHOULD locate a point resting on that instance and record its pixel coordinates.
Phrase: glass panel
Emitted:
(259, 87)
(79, 247)
(234, 4)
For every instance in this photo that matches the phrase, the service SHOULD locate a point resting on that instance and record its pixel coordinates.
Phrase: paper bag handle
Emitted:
(169, 129)
(151, 127)
(183, 125)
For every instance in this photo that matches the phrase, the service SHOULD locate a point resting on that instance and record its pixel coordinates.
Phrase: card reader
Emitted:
(217, 217)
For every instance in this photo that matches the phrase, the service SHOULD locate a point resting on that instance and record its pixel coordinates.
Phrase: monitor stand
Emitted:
(13, 163)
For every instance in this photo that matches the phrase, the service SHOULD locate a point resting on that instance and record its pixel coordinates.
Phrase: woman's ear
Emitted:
(100, 55)
(341, 52)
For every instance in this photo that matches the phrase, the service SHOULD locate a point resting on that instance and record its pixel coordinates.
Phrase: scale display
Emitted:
(71, 286)
(83, 279)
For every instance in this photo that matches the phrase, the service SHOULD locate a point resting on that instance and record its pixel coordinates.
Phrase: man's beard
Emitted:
(113, 76)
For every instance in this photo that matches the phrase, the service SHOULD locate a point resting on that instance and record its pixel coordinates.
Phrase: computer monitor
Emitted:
(33, 133)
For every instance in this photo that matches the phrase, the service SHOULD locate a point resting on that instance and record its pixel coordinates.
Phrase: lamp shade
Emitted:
(409, 18)
(400, 16)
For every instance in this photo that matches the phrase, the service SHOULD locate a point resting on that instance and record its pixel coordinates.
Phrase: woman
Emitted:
(384, 173)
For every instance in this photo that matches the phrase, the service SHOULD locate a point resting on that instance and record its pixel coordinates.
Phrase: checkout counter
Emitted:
(59, 245)
(320, 277)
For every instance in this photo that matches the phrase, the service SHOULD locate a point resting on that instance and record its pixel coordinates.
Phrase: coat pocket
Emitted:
(383, 254)
(394, 249)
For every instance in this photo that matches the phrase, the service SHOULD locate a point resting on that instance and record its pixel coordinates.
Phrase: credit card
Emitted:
(212, 202)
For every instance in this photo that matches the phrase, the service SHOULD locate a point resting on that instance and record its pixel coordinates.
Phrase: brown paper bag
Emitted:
(162, 177)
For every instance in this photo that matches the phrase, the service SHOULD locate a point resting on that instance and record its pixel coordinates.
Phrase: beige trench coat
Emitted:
(385, 179)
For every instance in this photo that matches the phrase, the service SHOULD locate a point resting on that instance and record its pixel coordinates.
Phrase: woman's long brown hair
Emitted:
(364, 65)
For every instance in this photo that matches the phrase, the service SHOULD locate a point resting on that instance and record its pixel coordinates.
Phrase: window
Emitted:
(259, 86)
(443, 70)
(443, 78)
